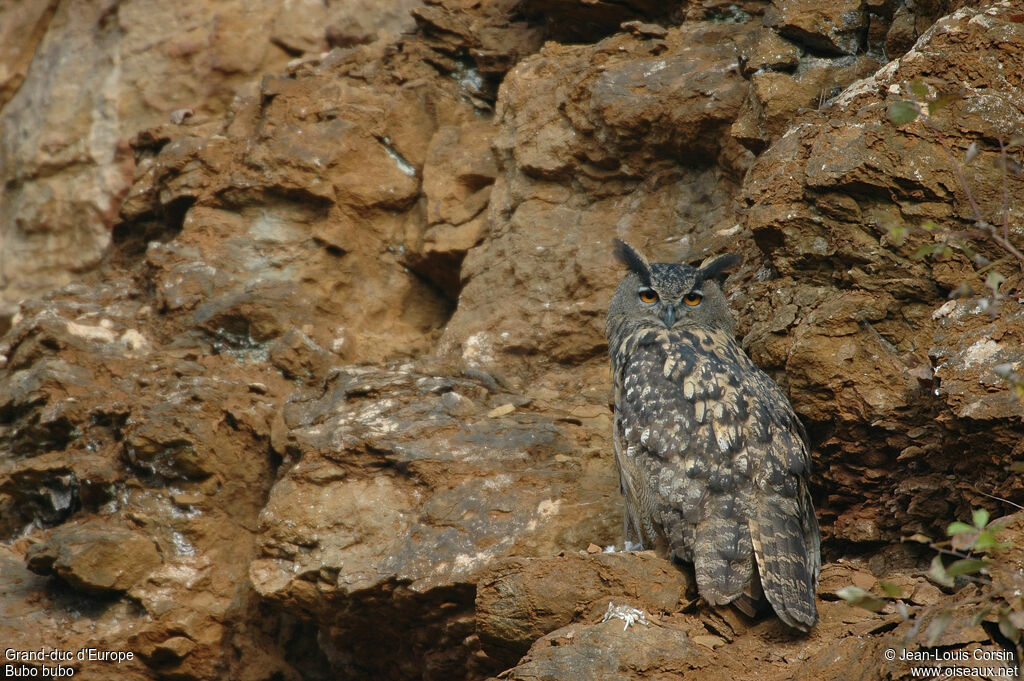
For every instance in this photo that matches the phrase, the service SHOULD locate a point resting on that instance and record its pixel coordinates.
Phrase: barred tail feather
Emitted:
(722, 554)
(785, 540)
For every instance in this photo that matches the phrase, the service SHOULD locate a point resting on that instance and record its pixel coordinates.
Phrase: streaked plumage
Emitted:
(713, 462)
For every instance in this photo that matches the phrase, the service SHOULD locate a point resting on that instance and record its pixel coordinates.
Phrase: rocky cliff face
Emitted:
(327, 394)
(79, 79)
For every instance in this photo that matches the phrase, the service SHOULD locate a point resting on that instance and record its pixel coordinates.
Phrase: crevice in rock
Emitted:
(38, 499)
(290, 50)
(432, 303)
(129, 240)
(441, 272)
(291, 199)
(428, 635)
(572, 22)
(332, 249)
(993, 630)
(34, 436)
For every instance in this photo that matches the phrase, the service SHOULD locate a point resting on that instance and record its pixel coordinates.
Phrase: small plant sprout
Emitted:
(998, 597)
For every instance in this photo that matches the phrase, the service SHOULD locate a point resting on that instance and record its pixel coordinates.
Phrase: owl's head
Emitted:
(666, 295)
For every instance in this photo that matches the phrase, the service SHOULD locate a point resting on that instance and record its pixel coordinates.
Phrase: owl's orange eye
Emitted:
(648, 296)
(693, 298)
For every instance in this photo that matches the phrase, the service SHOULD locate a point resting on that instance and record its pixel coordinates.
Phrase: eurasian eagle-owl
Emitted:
(712, 460)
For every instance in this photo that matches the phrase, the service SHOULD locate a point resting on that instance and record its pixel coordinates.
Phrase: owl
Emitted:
(712, 460)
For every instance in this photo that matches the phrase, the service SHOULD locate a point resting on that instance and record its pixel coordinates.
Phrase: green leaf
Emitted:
(924, 250)
(972, 152)
(967, 566)
(937, 573)
(1017, 467)
(942, 100)
(890, 589)
(919, 88)
(1006, 163)
(958, 527)
(968, 251)
(897, 233)
(1007, 628)
(856, 596)
(902, 112)
(1005, 372)
(938, 627)
(993, 281)
(986, 540)
(980, 516)
(963, 290)
(979, 616)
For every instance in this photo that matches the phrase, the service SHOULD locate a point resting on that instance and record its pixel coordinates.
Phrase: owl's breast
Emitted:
(682, 402)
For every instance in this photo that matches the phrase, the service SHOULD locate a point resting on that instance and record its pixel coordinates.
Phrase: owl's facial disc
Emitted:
(656, 304)
(669, 310)
(668, 315)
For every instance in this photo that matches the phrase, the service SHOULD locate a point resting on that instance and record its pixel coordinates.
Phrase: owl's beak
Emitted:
(669, 316)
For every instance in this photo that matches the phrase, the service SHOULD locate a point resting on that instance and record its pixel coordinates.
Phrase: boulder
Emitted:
(95, 558)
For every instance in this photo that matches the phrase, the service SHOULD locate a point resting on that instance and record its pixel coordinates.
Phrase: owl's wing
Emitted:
(783, 526)
(633, 520)
(634, 410)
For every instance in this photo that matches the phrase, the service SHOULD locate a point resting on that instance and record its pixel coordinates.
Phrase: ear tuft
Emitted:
(631, 258)
(718, 268)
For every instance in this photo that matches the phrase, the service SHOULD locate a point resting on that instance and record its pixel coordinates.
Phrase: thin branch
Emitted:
(950, 233)
(957, 170)
(1006, 194)
(1003, 241)
(1005, 501)
(1006, 245)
